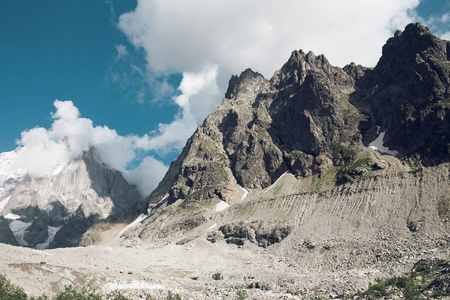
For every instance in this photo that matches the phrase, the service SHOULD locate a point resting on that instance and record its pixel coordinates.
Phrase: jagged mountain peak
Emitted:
(247, 82)
(409, 92)
(307, 60)
(310, 118)
(413, 32)
(415, 45)
(299, 66)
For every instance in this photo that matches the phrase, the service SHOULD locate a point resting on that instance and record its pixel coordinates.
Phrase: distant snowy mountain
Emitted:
(55, 209)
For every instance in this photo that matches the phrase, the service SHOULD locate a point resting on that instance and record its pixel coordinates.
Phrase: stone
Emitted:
(217, 276)
(6, 235)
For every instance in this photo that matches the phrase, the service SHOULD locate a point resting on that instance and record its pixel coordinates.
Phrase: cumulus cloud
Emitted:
(199, 95)
(70, 135)
(180, 36)
(147, 175)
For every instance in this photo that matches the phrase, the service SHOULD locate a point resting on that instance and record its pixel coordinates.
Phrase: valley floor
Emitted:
(197, 270)
(339, 241)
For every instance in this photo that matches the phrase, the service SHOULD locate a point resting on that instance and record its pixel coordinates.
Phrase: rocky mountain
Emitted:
(55, 210)
(407, 95)
(333, 168)
(311, 118)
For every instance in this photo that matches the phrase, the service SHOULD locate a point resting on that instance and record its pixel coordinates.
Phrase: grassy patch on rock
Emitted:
(443, 207)
(324, 182)
(427, 279)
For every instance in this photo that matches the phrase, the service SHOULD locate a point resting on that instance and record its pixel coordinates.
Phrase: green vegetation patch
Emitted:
(362, 166)
(354, 115)
(324, 182)
(414, 165)
(428, 279)
(9, 291)
(343, 154)
(443, 207)
(197, 197)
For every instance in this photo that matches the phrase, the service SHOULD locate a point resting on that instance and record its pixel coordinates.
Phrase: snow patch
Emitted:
(221, 206)
(378, 144)
(245, 193)
(138, 219)
(18, 228)
(7, 169)
(374, 89)
(3, 203)
(270, 187)
(11, 216)
(212, 226)
(51, 236)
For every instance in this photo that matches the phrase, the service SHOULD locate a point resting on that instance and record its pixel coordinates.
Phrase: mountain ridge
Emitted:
(41, 210)
(339, 111)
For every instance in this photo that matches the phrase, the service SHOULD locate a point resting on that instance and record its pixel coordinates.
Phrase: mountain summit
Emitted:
(409, 95)
(311, 117)
(54, 210)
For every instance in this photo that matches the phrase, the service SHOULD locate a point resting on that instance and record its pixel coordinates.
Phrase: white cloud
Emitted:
(71, 134)
(199, 95)
(184, 36)
(41, 153)
(147, 175)
(445, 36)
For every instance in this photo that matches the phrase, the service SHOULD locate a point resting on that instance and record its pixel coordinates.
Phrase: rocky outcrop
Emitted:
(255, 233)
(6, 235)
(311, 111)
(409, 94)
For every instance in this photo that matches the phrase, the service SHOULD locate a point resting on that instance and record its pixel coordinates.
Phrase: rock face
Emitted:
(408, 93)
(311, 118)
(6, 235)
(56, 209)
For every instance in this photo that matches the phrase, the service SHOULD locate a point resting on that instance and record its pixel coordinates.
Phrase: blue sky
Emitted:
(134, 65)
(66, 50)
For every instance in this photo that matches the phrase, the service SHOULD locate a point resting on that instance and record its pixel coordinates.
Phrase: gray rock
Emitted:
(6, 235)
(217, 276)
